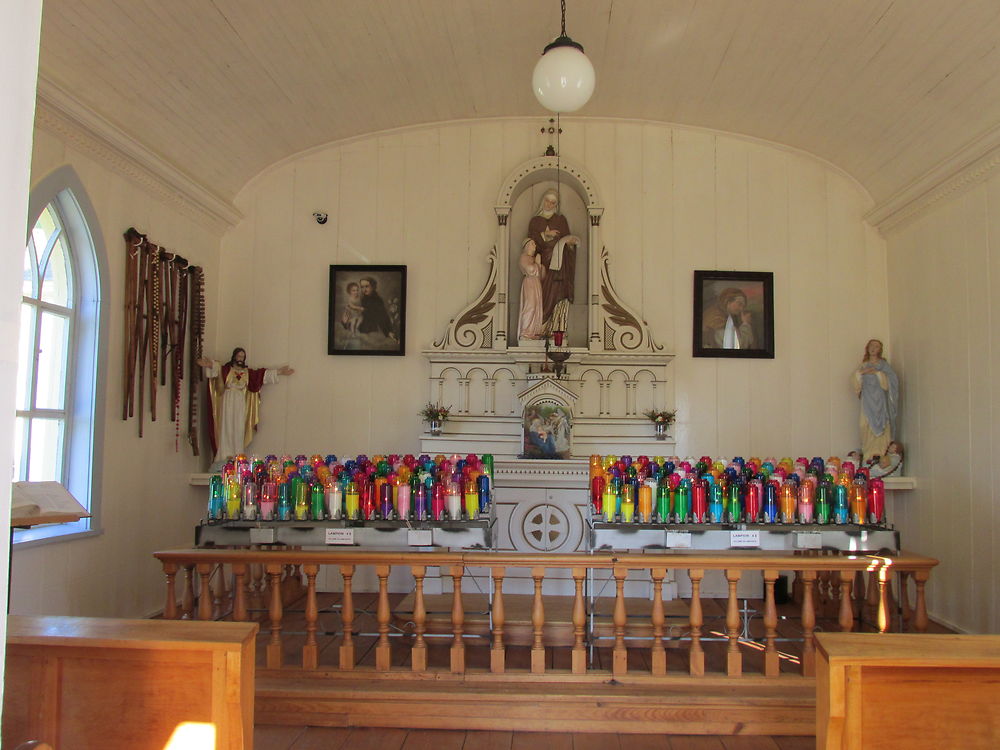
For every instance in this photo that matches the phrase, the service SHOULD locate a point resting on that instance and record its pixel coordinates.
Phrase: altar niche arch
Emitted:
(517, 202)
(487, 322)
(523, 208)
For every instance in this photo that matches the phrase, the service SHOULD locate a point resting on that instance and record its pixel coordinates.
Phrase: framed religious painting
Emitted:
(734, 314)
(547, 431)
(367, 310)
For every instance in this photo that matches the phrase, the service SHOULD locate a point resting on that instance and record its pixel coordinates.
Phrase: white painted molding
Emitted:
(968, 166)
(59, 113)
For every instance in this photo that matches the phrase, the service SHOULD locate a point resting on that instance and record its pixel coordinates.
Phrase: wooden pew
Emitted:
(896, 690)
(79, 682)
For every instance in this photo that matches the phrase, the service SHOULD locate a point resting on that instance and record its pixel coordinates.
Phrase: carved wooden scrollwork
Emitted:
(473, 328)
(623, 331)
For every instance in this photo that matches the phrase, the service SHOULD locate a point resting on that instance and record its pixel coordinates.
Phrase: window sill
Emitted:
(50, 533)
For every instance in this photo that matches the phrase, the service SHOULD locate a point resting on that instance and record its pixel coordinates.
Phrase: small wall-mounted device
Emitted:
(320, 217)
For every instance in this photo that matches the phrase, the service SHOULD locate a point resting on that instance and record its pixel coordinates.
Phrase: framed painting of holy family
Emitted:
(367, 313)
(734, 314)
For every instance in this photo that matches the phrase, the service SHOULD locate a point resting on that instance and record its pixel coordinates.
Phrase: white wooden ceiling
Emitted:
(884, 89)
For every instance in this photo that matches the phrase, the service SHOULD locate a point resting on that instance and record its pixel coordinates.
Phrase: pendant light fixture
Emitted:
(563, 80)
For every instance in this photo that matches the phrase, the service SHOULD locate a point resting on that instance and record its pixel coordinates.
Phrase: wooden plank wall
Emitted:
(943, 268)
(676, 199)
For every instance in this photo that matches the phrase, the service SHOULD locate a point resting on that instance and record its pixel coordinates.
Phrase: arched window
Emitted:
(59, 417)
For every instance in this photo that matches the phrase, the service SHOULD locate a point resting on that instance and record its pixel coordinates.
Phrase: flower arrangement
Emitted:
(661, 416)
(435, 412)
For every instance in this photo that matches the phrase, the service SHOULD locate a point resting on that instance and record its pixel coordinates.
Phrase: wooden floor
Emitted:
(336, 738)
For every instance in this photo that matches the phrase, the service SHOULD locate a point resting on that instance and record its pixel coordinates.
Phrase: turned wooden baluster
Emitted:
(187, 601)
(659, 653)
(538, 623)
(418, 656)
(170, 607)
(619, 655)
(347, 619)
(772, 664)
(920, 611)
(734, 657)
(884, 612)
(808, 624)
(239, 592)
(498, 654)
(457, 621)
(873, 598)
(697, 654)
(310, 651)
(274, 655)
(846, 618)
(579, 663)
(904, 599)
(205, 591)
(383, 656)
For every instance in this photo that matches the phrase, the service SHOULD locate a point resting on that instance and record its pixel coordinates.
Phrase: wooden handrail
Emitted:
(720, 560)
(824, 580)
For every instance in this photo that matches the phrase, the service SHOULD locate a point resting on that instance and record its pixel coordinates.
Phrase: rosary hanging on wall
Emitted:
(164, 316)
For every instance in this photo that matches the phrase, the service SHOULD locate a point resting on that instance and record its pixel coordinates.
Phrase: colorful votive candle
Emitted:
(706, 502)
(352, 501)
(317, 502)
(334, 500)
(876, 500)
(453, 502)
(645, 504)
(805, 506)
(471, 500)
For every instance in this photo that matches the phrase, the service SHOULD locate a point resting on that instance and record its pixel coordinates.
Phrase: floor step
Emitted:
(555, 702)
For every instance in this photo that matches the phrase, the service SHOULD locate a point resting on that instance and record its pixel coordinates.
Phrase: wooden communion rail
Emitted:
(491, 691)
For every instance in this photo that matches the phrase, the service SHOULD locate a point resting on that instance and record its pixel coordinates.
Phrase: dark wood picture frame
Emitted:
(367, 313)
(721, 320)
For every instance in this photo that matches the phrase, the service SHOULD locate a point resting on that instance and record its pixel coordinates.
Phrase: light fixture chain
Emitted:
(563, 4)
(559, 159)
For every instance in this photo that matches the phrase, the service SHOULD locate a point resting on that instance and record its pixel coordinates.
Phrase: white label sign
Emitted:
(419, 537)
(679, 539)
(744, 538)
(340, 536)
(809, 540)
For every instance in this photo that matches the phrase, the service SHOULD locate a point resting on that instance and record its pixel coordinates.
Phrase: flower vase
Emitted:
(435, 427)
(661, 430)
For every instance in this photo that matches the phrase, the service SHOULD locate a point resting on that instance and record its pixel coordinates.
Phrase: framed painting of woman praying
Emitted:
(734, 314)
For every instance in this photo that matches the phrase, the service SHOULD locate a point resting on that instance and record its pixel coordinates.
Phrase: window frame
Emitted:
(38, 308)
(84, 399)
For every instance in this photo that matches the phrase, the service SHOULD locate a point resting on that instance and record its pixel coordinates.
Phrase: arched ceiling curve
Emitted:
(884, 89)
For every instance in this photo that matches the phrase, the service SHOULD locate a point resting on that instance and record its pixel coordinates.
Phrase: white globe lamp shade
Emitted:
(563, 80)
